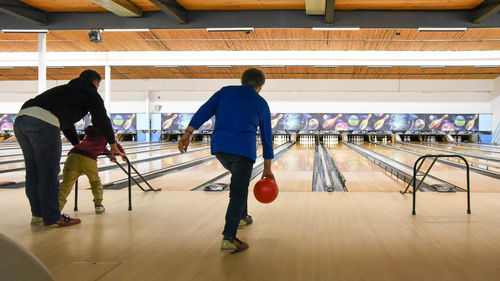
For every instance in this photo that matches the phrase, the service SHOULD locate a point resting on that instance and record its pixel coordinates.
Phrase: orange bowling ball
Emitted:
(265, 190)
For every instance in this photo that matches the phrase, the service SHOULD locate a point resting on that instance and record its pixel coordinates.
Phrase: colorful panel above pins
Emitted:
(7, 122)
(374, 122)
(124, 123)
(347, 122)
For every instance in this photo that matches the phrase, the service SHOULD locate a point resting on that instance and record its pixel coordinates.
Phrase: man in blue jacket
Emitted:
(238, 111)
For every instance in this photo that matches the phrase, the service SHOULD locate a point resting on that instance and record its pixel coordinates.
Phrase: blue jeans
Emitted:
(241, 171)
(41, 145)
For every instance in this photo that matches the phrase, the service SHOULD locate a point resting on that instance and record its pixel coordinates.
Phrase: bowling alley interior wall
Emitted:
(292, 95)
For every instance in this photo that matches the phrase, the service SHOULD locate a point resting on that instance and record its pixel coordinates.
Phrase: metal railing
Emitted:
(416, 170)
(127, 171)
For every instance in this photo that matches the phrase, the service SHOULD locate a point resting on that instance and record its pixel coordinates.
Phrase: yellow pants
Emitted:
(76, 165)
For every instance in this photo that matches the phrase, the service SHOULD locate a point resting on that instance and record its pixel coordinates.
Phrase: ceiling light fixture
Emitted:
(127, 30)
(223, 29)
(442, 29)
(335, 28)
(25, 30)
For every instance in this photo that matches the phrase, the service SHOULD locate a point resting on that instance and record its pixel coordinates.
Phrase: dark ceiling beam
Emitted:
(257, 19)
(122, 8)
(173, 9)
(484, 12)
(24, 11)
(329, 9)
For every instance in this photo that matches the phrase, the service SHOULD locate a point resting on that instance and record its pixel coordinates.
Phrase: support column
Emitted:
(495, 109)
(107, 89)
(148, 115)
(42, 62)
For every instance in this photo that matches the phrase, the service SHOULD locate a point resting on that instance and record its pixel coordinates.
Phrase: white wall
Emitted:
(292, 95)
(419, 96)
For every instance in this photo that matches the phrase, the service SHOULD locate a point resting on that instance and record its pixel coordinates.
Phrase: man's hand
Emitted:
(267, 173)
(115, 151)
(185, 139)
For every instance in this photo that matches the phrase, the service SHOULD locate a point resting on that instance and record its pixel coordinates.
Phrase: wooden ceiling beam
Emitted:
(329, 9)
(122, 8)
(173, 9)
(24, 11)
(485, 12)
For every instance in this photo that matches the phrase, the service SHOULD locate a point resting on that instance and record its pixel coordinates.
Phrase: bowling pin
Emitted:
(169, 121)
(129, 122)
(435, 124)
(364, 123)
(471, 123)
(330, 122)
(380, 123)
(274, 122)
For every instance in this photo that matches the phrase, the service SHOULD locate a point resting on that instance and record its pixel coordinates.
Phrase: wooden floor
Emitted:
(175, 235)
(357, 169)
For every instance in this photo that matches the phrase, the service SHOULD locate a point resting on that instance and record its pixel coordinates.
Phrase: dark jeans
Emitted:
(241, 171)
(41, 145)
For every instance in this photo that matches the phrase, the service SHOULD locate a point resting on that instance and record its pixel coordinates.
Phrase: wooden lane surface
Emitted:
(190, 178)
(294, 170)
(351, 236)
(17, 153)
(479, 145)
(494, 166)
(19, 175)
(117, 173)
(144, 153)
(360, 173)
(478, 182)
(461, 149)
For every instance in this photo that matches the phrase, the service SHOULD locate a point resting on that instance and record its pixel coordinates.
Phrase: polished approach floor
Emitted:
(175, 235)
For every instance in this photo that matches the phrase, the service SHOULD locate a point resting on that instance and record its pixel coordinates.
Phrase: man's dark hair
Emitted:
(90, 76)
(253, 77)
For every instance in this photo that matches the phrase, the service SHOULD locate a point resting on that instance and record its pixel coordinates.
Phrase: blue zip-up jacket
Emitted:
(238, 111)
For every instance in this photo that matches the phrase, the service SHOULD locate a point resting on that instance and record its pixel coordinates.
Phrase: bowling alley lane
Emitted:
(460, 149)
(360, 173)
(454, 175)
(110, 175)
(493, 166)
(190, 178)
(143, 151)
(117, 174)
(294, 170)
(485, 146)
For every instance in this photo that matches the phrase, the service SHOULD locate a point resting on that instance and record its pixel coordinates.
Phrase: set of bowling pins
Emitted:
(407, 139)
(383, 140)
(457, 138)
(429, 138)
(330, 139)
(307, 139)
(205, 139)
(356, 139)
(280, 139)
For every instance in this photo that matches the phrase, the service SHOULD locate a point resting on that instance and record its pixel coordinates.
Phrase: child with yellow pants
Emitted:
(82, 159)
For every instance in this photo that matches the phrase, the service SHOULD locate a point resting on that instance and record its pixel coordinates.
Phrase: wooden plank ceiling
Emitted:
(259, 40)
(288, 72)
(89, 6)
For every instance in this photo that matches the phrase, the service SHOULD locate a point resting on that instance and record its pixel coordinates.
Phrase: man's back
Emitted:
(239, 111)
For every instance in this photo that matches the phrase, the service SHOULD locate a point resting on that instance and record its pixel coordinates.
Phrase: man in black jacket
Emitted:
(37, 128)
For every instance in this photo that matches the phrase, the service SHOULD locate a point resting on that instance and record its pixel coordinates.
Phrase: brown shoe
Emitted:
(64, 220)
(234, 244)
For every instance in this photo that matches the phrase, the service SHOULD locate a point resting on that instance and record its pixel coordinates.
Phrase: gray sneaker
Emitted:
(245, 221)
(99, 209)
